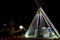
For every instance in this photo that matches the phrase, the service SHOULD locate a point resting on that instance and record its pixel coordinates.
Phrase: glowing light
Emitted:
(52, 33)
(21, 27)
(4, 24)
(26, 36)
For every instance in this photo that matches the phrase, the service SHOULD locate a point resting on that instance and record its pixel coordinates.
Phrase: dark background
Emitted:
(23, 12)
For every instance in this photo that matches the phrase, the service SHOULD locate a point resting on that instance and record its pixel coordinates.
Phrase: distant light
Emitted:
(4, 24)
(21, 27)
(53, 33)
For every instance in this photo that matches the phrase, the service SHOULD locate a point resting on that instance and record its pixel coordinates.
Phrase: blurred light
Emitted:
(18, 36)
(21, 27)
(27, 36)
(15, 37)
(1, 39)
(4, 24)
(52, 33)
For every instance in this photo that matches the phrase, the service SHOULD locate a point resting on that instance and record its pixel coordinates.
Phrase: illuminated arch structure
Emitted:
(42, 27)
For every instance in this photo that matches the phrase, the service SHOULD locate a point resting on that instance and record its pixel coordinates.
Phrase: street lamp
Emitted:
(23, 33)
(21, 27)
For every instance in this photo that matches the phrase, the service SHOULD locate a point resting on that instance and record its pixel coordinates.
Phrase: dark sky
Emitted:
(23, 11)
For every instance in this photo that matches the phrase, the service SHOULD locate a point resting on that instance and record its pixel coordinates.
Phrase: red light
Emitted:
(1, 39)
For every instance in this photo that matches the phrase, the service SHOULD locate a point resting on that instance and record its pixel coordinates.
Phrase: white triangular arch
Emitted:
(47, 20)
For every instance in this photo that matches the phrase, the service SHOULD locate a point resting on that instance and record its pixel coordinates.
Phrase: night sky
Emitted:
(23, 12)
